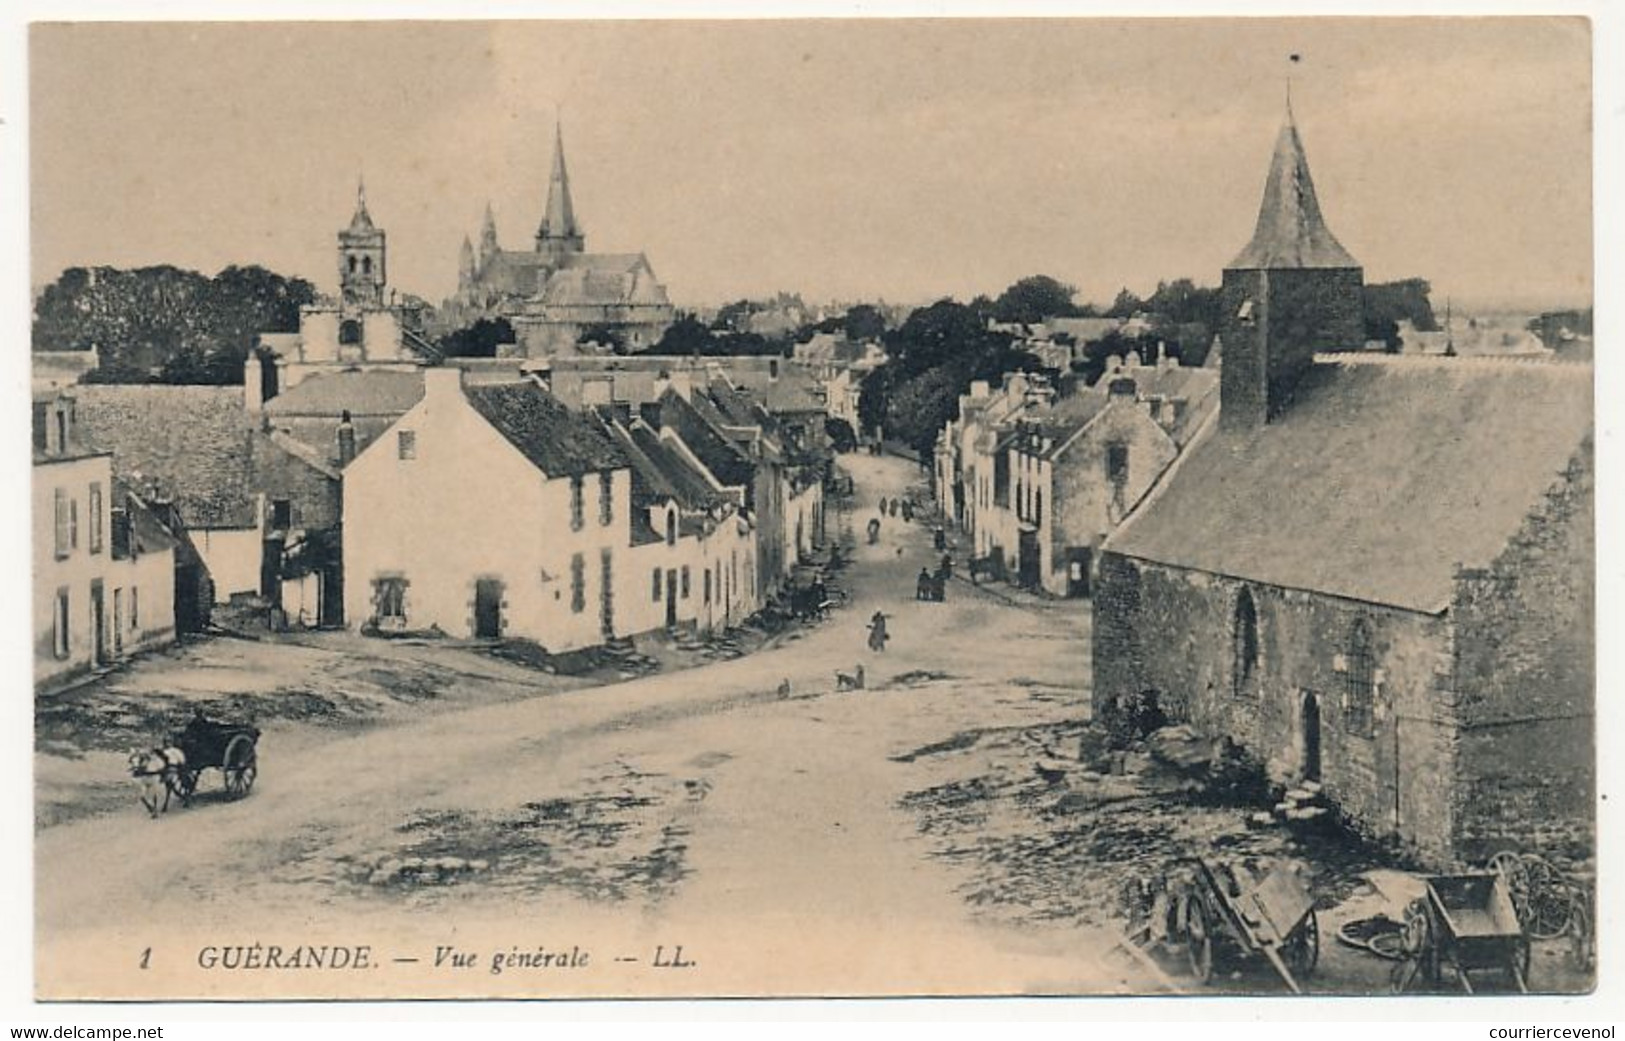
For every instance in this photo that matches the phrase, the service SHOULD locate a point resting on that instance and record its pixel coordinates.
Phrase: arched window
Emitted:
(1246, 643)
(349, 332)
(671, 527)
(352, 265)
(1359, 679)
(366, 265)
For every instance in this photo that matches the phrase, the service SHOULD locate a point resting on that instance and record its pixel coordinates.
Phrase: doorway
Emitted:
(1027, 560)
(488, 608)
(118, 623)
(1077, 571)
(98, 625)
(1311, 736)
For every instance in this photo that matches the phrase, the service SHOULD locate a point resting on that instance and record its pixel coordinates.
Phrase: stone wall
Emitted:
(1295, 313)
(1525, 676)
(1172, 630)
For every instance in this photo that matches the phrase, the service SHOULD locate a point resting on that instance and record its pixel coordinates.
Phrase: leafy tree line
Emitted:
(164, 324)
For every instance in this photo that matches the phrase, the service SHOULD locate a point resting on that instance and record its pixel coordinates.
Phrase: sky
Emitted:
(899, 159)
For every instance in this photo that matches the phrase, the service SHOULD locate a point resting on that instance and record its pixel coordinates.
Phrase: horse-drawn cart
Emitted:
(1467, 923)
(231, 748)
(1226, 911)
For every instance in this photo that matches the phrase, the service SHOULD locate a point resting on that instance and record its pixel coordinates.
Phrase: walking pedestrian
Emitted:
(877, 632)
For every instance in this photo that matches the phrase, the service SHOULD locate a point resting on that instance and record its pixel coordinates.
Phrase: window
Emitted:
(406, 444)
(606, 498)
(349, 333)
(95, 516)
(708, 585)
(281, 514)
(62, 644)
(1117, 463)
(684, 581)
(1038, 506)
(352, 265)
(73, 523)
(366, 265)
(578, 583)
(577, 507)
(655, 586)
(61, 524)
(671, 527)
(1246, 643)
(135, 607)
(389, 594)
(1359, 680)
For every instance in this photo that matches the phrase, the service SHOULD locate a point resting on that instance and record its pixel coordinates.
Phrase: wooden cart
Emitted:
(1226, 912)
(231, 748)
(1466, 923)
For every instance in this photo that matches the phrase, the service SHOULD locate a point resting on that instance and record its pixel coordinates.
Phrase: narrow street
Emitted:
(763, 833)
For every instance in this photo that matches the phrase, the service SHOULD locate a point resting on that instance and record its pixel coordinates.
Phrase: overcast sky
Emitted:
(844, 159)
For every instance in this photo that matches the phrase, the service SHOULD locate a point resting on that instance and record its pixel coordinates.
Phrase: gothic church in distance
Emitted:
(560, 299)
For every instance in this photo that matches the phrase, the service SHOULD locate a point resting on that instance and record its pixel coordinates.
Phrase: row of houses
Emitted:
(496, 509)
(1038, 475)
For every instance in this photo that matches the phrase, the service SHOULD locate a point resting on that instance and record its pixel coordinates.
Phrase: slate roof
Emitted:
(197, 443)
(1291, 233)
(727, 463)
(558, 441)
(362, 393)
(688, 485)
(1384, 475)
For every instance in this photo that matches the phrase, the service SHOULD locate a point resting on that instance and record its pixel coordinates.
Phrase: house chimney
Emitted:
(978, 388)
(442, 381)
(346, 439)
(253, 383)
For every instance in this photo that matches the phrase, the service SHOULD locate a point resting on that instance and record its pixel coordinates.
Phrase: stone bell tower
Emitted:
(361, 257)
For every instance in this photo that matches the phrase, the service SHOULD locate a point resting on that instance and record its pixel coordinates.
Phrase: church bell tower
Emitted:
(361, 257)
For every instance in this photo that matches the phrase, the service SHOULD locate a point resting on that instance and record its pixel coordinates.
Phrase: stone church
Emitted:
(560, 299)
(1373, 571)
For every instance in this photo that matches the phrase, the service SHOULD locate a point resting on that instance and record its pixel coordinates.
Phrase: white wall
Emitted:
(470, 506)
(233, 557)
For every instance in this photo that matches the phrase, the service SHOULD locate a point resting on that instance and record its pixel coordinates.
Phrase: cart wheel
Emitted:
(1421, 942)
(183, 785)
(1199, 941)
(239, 766)
(1547, 903)
(1510, 866)
(1582, 949)
(1303, 948)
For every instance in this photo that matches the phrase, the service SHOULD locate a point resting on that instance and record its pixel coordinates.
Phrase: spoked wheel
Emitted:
(1199, 941)
(1420, 952)
(1547, 904)
(1510, 866)
(1302, 948)
(1582, 948)
(183, 785)
(239, 766)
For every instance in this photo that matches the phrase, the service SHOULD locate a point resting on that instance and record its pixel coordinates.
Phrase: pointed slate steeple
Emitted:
(559, 231)
(1291, 232)
(362, 220)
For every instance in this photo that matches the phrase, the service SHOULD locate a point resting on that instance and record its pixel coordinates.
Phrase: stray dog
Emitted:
(158, 772)
(850, 680)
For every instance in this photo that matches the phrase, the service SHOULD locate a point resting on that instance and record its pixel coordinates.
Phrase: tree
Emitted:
(864, 322)
(1033, 299)
(687, 335)
(166, 323)
(480, 340)
(605, 336)
(1125, 305)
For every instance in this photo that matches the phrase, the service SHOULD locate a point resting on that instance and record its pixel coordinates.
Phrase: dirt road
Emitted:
(700, 809)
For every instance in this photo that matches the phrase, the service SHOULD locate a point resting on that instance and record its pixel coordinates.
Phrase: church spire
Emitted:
(488, 236)
(362, 221)
(559, 231)
(1291, 233)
